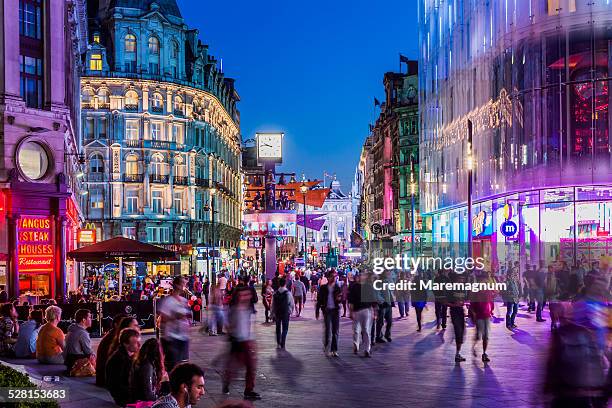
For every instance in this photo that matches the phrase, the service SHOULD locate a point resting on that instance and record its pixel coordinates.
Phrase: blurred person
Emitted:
(419, 301)
(481, 308)
(385, 311)
(206, 289)
(242, 342)
(148, 372)
(344, 296)
(552, 290)
(28, 334)
(78, 342)
(299, 293)
(306, 282)
(511, 297)
(539, 283)
(119, 367)
(9, 329)
(282, 307)
(362, 306)
(403, 298)
(456, 301)
(103, 351)
(440, 299)
(187, 386)
(50, 341)
(266, 297)
(216, 318)
(175, 316)
(328, 301)
(222, 282)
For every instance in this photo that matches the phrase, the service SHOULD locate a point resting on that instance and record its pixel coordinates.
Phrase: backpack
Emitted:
(281, 304)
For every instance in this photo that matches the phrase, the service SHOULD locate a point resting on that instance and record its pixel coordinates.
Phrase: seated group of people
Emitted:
(45, 341)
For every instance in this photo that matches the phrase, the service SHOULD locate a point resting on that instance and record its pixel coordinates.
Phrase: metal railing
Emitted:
(133, 143)
(131, 107)
(158, 178)
(157, 109)
(181, 180)
(133, 178)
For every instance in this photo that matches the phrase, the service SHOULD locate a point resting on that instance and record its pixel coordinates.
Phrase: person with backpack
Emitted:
(282, 307)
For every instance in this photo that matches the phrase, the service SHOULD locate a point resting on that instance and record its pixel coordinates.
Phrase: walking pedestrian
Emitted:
(174, 324)
(456, 301)
(482, 308)
(385, 311)
(215, 311)
(539, 288)
(266, 295)
(328, 301)
(402, 296)
(512, 296)
(282, 307)
(299, 293)
(419, 301)
(242, 341)
(440, 299)
(362, 305)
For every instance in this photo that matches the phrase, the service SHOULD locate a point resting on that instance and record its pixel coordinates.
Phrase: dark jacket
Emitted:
(322, 298)
(143, 382)
(102, 357)
(361, 296)
(118, 376)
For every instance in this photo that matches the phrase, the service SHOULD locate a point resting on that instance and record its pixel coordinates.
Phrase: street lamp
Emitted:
(304, 190)
(470, 169)
(212, 192)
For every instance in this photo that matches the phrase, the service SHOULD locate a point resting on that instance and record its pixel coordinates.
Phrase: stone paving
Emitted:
(416, 369)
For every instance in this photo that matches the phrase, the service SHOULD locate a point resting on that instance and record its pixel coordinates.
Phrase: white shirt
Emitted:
(222, 283)
(175, 325)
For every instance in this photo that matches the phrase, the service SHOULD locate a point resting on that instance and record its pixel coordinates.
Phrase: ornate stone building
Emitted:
(161, 133)
(39, 161)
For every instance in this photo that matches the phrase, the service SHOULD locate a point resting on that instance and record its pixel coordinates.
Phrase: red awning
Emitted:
(120, 247)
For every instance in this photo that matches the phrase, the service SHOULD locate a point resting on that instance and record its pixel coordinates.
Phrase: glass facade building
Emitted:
(533, 76)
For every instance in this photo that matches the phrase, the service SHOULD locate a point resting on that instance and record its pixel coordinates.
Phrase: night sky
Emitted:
(308, 68)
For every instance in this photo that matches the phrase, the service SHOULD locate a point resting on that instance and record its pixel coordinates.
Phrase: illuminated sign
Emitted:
(480, 224)
(507, 211)
(508, 228)
(86, 236)
(269, 224)
(35, 246)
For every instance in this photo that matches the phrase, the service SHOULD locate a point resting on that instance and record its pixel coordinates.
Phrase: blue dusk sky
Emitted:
(310, 69)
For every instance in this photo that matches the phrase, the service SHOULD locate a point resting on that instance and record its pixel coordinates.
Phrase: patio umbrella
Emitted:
(123, 249)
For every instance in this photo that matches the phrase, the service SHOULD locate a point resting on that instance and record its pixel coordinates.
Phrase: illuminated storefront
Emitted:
(534, 82)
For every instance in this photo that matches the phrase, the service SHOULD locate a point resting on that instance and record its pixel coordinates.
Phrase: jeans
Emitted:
(419, 314)
(403, 308)
(540, 303)
(458, 320)
(216, 319)
(441, 310)
(331, 319)
(385, 313)
(362, 324)
(282, 327)
(512, 310)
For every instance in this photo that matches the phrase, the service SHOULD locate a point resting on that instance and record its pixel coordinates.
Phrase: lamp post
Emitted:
(304, 191)
(470, 169)
(212, 192)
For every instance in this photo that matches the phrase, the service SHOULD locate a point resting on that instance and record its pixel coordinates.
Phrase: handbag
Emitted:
(83, 367)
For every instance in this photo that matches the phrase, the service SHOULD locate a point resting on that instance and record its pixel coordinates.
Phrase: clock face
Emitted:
(269, 146)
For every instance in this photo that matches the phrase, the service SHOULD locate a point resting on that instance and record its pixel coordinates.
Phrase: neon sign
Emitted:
(35, 247)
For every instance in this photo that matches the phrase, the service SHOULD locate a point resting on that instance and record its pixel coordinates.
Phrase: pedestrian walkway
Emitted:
(416, 369)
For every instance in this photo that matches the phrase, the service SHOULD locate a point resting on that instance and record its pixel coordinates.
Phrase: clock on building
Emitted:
(411, 92)
(270, 147)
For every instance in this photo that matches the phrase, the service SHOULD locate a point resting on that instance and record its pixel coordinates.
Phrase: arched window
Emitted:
(87, 99)
(131, 100)
(158, 166)
(96, 163)
(178, 105)
(130, 53)
(131, 165)
(103, 98)
(130, 43)
(153, 46)
(157, 102)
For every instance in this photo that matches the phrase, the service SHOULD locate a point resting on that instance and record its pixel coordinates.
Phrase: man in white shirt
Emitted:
(174, 325)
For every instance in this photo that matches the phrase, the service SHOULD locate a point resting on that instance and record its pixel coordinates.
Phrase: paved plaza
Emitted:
(416, 369)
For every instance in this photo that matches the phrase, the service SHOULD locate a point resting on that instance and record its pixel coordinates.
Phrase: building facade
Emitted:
(39, 161)
(336, 231)
(533, 79)
(161, 134)
(390, 164)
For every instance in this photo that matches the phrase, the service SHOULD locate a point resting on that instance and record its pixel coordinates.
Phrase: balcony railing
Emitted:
(160, 144)
(133, 143)
(96, 177)
(87, 105)
(157, 109)
(131, 107)
(200, 182)
(103, 105)
(133, 178)
(158, 178)
(180, 180)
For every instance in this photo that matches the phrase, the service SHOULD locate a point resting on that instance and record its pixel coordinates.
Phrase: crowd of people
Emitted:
(158, 371)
